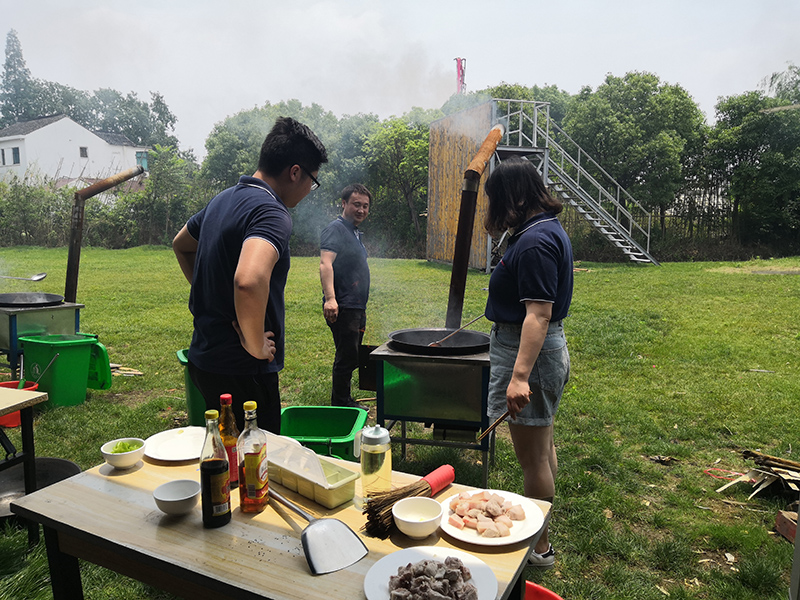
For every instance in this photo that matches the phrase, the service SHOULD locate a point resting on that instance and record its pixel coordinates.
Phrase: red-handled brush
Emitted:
(378, 506)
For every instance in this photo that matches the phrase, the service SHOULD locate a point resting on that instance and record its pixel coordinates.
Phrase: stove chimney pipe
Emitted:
(466, 220)
(76, 226)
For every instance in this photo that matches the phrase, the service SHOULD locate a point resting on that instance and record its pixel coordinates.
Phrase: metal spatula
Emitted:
(449, 335)
(37, 277)
(329, 544)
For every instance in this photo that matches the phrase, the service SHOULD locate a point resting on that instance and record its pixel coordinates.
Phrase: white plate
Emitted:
(184, 443)
(376, 583)
(522, 530)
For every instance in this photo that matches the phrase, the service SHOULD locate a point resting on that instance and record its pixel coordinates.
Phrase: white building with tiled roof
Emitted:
(57, 147)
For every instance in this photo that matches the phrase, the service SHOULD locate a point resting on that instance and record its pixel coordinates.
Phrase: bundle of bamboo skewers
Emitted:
(378, 507)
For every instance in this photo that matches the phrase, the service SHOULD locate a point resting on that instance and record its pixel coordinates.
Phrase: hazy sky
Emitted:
(211, 59)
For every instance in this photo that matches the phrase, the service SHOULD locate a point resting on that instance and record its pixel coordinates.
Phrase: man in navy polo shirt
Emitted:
(235, 254)
(344, 274)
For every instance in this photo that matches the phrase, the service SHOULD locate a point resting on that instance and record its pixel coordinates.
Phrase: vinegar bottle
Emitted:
(215, 492)
(230, 433)
(376, 461)
(252, 456)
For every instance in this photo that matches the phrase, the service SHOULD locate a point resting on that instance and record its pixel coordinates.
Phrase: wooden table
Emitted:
(109, 517)
(12, 400)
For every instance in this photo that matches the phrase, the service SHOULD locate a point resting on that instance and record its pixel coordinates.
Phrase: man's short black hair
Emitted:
(355, 188)
(290, 143)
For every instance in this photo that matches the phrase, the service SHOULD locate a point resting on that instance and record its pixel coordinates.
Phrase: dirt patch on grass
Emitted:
(758, 270)
(132, 399)
(175, 413)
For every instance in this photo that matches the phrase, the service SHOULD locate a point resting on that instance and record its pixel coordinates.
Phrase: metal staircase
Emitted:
(574, 176)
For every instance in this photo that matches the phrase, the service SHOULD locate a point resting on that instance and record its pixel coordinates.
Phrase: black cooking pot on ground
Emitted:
(415, 341)
(48, 471)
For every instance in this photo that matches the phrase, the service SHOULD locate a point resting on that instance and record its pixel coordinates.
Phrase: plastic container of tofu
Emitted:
(315, 477)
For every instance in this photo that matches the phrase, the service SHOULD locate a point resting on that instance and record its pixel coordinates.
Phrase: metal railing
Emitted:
(576, 176)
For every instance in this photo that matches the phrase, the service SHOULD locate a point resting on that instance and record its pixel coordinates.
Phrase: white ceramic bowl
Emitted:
(122, 460)
(177, 497)
(417, 517)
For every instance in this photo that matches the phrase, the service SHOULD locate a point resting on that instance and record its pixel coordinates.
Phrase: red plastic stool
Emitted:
(13, 419)
(537, 592)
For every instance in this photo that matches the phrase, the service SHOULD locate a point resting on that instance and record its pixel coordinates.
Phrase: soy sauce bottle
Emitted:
(215, 492)
(230, 434)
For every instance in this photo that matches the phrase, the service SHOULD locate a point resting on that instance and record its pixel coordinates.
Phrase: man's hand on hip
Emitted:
(267, 349)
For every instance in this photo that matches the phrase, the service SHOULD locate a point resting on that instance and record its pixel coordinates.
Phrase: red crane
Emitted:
(461, 71)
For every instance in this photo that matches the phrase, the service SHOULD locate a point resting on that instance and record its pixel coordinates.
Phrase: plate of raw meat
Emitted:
(406, 569)
(491, 517)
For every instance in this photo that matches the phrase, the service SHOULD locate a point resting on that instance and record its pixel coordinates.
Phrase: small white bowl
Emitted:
(122, 460)
(177, 497)
(417, 517)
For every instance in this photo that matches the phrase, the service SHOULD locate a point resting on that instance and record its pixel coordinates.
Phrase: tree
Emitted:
(233, 146)
(643, 132)
(756, 153)
(785, 85)
(397, 158)
(55, 98)
(162, 122)
(115, 113)
(165, 197)
(19, 90)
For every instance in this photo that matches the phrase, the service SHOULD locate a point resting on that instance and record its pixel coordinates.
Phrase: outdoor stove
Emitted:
(35, 313)
(444, 385)
(23, 319)
(448, 392)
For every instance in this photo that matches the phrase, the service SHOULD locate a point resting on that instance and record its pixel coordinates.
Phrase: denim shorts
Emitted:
(547, 380)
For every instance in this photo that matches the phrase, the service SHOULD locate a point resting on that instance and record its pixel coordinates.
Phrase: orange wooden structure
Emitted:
(454, 142)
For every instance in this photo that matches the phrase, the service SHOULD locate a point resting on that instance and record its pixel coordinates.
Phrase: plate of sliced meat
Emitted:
(491, 517)
(441, 572)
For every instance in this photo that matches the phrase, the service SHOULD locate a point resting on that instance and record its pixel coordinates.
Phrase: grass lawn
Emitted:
(695, 361)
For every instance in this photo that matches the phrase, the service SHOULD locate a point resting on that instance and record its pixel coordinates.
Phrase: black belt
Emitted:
(518, 326)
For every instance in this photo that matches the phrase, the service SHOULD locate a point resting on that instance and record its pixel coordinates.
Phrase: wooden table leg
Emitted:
(65, 574)
(517, 591)
(29, 466)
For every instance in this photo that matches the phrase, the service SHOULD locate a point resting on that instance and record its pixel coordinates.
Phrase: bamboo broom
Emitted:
(378, 506)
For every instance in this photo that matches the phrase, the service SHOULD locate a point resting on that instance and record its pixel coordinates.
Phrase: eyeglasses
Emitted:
(314, 185)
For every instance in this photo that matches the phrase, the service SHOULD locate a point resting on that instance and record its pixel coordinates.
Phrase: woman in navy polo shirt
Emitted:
(529, 294)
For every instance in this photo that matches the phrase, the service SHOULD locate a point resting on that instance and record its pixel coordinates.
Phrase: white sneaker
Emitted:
(543, 561)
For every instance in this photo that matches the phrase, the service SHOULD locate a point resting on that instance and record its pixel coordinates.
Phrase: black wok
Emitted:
(415, 341)
(29, 299)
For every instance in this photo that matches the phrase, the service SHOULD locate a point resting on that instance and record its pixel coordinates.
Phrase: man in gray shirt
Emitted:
(344, 274)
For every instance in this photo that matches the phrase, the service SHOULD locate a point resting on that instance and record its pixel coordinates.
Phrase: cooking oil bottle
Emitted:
(376, 460)
(215, 492)
(252, 458)
(230, 433)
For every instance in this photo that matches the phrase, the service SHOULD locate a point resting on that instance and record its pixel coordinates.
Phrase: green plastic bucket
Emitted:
(195, 403)
(99, 368)
(327, 430)
(66, 380)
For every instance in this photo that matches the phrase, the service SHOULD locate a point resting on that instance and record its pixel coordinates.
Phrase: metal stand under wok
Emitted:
(448, 392)
(18, 320)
